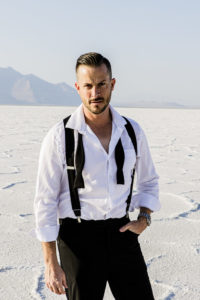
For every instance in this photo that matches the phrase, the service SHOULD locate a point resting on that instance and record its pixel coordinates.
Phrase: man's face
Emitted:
(94, 87)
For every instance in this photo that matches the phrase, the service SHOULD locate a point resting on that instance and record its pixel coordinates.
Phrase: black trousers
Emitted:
(93, 253)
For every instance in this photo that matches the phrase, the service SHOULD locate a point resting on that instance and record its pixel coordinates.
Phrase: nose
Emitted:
(95, 92)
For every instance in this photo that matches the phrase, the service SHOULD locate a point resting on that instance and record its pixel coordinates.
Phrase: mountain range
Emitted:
(19, 89)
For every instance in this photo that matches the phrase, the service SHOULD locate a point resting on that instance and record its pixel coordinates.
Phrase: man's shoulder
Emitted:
(55, 132)
(56, 128)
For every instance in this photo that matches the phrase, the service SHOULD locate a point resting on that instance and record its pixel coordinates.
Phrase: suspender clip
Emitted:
(70, 167)
(79, 219)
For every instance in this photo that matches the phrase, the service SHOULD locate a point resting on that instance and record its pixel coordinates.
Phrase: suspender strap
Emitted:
(132, 136)
(80, 160)
(69, 148)
(119, 158)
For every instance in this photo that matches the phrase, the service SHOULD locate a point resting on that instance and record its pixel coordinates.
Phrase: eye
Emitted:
(101, 84)
(88, 86)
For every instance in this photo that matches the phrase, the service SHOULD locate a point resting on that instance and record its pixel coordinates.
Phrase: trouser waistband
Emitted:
(106, 221)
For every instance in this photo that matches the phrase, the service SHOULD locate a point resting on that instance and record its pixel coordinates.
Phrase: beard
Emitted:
(98, 105)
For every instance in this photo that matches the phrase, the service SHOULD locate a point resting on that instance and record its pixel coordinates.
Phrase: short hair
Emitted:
(95, 60)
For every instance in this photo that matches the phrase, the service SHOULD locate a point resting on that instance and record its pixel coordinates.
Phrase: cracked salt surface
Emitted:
(12, 185)
(171, 246)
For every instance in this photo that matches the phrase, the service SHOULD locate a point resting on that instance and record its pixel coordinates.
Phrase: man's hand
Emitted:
(54, 275)
(135, 226)
(55, 279)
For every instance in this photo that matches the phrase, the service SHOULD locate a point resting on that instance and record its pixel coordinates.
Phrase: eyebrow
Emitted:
(97, 83)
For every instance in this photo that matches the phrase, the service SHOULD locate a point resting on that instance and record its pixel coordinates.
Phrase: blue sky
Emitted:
(153, 46)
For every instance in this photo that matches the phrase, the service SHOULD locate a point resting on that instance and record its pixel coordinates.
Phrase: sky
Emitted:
(153, 46)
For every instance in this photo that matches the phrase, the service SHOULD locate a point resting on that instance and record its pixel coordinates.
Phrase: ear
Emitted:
(77, 87)
(113, 81)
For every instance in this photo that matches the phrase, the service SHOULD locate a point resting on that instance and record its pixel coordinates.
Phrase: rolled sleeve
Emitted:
(49, 176)
(147, 188)
(47, 234)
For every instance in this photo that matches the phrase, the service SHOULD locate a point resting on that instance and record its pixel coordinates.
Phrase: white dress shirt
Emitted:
(102, 197)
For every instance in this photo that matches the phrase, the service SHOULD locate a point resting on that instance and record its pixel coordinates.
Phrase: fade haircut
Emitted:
(94, 59)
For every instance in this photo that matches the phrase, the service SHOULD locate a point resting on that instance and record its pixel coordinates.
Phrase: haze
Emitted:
(153, 45)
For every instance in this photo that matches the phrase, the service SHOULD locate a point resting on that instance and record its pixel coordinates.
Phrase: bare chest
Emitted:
(104, 136)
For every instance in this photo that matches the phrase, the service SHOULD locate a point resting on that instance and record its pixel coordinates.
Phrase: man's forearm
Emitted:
(55, 278)
(49, 252)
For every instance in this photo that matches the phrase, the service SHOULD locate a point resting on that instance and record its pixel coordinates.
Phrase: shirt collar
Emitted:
(77, 119)
(117, 118)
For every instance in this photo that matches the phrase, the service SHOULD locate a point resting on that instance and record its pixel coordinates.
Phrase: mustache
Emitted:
(96, 99)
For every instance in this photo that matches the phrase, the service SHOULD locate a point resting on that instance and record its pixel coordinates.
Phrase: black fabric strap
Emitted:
(80, 160)
(119, 158)
(132, 136)
(69, 148)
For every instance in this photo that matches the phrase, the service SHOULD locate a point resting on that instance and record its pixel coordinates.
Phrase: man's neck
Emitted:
(98, 120)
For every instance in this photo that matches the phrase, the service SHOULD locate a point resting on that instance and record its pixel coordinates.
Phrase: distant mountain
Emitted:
(152, 104)
(18, 89)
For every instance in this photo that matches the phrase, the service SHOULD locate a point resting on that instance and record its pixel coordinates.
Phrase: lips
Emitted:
(98, 100)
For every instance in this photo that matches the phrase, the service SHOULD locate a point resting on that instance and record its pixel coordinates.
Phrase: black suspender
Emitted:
(69, 150)
(75, 171)
(132, 136)
(119, 158)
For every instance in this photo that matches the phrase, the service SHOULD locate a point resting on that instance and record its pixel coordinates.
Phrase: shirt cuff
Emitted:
(46, 234)
(144, 200)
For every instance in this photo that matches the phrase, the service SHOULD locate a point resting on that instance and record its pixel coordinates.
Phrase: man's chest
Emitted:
(104, 137)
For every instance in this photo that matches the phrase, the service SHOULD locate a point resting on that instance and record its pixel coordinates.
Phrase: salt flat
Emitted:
(171, 245)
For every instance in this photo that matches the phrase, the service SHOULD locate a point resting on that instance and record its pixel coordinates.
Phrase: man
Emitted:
(97, 242)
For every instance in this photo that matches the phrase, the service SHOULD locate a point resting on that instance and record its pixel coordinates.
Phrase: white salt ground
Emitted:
(171, 245)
